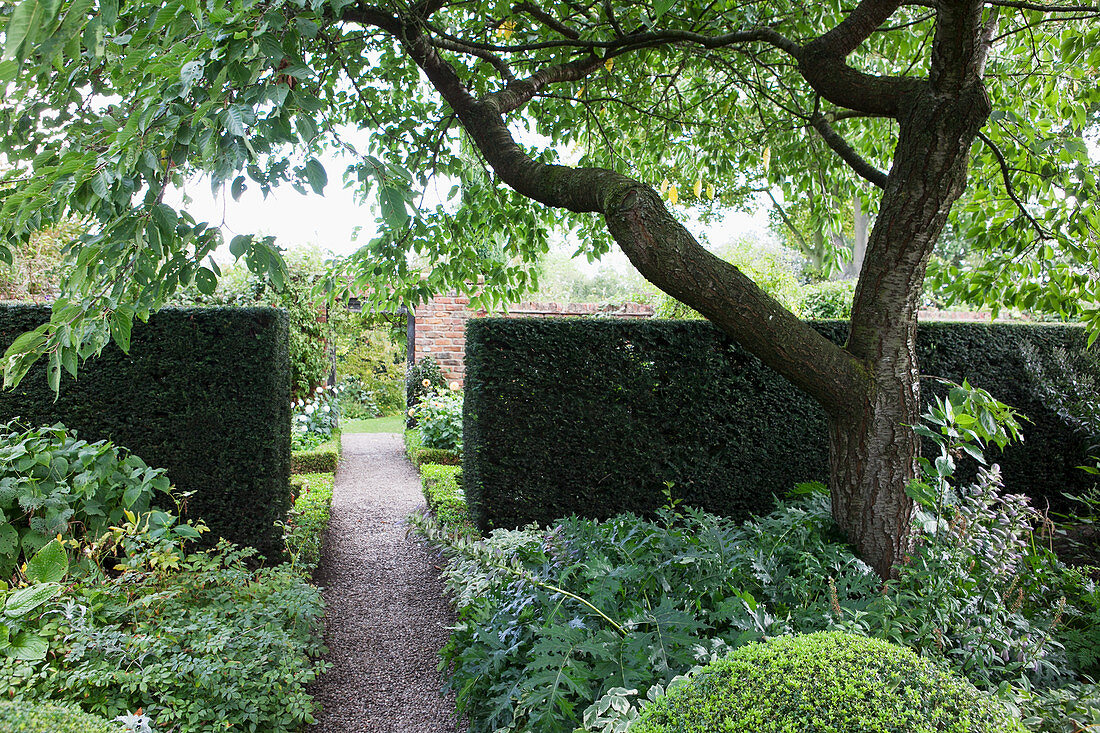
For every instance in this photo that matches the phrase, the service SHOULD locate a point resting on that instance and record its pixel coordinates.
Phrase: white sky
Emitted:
(329, 221)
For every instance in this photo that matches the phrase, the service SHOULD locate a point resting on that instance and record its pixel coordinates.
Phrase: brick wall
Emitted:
(441, 325)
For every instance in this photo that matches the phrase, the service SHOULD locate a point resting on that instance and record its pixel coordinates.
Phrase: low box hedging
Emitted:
(599, 417)
(419, 455)
(442, 487)
(322, 459)
(203, 393)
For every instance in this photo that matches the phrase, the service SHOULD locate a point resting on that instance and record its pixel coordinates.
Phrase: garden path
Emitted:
(386, 618)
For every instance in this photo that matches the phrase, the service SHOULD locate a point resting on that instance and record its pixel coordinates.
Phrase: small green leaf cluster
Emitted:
(305, 525)
(51, 483)
(20, 637)
(36, 717)
(211, 643)
(825, 683)
(439, 419)
(420, 455)
(442, 487)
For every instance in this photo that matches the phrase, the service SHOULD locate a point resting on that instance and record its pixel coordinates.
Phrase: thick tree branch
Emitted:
(960, 45)
(659, 246)
(520, 92)
(822, 64)
(1040, 7)
(492, 59)
(854, 29)
(847, 153)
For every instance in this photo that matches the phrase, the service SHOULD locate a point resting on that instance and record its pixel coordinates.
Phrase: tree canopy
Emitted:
(620, 108)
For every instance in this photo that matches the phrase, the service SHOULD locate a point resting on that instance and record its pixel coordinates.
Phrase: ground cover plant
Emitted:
(141, 628)
(580, 624)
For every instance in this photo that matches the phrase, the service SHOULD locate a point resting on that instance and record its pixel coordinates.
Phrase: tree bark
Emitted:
(873, 448)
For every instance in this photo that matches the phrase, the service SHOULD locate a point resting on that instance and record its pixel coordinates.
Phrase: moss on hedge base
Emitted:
(44, 717)
(827, 682)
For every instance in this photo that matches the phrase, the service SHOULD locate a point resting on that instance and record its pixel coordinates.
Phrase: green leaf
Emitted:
(239, 245)
(122, 323)
(25, 600)
(315, 174)
(237, 188)
(233, 120)
(392, 202)
(206, 281)
(27, 646)
(9, 541)
(23, 28)
(49, 565)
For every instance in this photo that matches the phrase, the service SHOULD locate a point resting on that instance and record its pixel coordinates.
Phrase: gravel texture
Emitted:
(386, 617)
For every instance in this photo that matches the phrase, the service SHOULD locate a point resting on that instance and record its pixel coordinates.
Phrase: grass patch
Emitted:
(391, 424)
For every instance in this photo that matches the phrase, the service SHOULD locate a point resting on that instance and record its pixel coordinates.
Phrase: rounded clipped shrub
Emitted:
(43, 717)
(827, 682)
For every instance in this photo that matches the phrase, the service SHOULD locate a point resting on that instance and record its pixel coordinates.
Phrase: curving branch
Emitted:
(1010, 189)
(847, 153)
(658, 245)
(492, 59)
(520, 92)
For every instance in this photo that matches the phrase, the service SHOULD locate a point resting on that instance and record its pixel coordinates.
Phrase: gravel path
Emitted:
(386, 618)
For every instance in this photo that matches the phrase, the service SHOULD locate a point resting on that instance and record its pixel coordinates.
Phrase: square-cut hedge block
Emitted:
(203, 392)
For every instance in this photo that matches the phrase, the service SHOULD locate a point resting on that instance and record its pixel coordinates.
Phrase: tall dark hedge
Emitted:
(597, 417)
(204, 393)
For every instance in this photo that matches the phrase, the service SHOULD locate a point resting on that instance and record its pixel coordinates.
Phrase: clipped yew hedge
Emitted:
(204, 393)
(595, 417)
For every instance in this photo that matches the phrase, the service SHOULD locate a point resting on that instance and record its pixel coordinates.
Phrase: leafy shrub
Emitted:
(355, 401)
(305, 525)
(825, 682)
(211, 644)
(40, 717)
(21, 635)
(580, 623)
(439, 417)
(52, 483)
(372, 370)
(421, 379)
(442, 487)
(830, 299)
